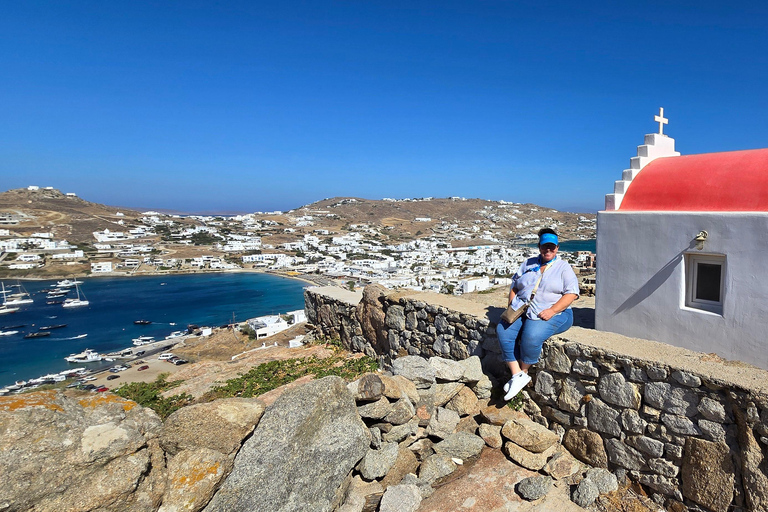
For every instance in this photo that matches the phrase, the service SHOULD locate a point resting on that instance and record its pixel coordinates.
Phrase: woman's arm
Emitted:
(559, 306)
(512, 293)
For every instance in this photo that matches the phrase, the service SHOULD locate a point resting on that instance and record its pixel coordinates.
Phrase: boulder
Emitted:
(375, 410)
(377, 463)
(71, 450)
(443, 423)
(587, 446)
(443, 393)
(708, 474)
(315, 422)
(397, 387)
(473, 370)
(586, 493)
(499, 414)
(415, 369)
(436, 467)
(405, 463)
(562, 465)
(221, 425)
(534, 487)
(369, 387)
(401, 498)
(528, 459)
(460, 445)
(447, 369)
(193, 477)
(402, 412)
(491, 434)
(370, 314)
(464, 403)
(529, 434)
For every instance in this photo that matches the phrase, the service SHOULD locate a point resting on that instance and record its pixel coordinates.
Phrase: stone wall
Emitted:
(689, 427)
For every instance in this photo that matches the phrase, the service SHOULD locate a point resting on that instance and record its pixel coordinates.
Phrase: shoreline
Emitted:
(320, 280)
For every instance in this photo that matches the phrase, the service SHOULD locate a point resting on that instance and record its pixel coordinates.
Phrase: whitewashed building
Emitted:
(267, 325)
(101, 267)
(682, 251)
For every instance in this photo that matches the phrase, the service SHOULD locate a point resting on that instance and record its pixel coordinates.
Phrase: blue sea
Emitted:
(169, 302)
(575, 245)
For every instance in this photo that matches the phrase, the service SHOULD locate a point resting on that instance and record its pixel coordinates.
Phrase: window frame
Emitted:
(692, 260)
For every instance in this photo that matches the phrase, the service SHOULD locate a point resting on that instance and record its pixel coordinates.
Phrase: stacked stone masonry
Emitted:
(687, 438)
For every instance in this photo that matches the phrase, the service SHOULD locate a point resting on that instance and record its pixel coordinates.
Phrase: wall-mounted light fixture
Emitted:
(700, 239)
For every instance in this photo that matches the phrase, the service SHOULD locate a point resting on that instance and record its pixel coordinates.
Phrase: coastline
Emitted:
(316, 280)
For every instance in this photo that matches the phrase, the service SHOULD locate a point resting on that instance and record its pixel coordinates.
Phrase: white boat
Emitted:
(175, 334)
(4, 309)
(8, 333)
(73, 303)
(67, 283)
(143, 340)
(86, 356)
(16, 299)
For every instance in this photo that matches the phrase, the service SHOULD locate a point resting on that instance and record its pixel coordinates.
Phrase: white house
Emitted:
(682, 251)
(101, 267)
(267, 325)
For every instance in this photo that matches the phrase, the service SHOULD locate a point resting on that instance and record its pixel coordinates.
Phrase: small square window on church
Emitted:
(704, 282)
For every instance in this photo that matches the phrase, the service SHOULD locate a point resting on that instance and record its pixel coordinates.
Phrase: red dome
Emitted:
(723, 182)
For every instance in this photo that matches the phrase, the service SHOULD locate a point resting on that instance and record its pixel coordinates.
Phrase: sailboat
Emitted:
(5, 309)
(73, 303)
(17, 299)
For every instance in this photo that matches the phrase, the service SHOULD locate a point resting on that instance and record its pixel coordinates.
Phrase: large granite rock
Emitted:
(221, 425)
(587, 446)
(529, 434)
(708, 474)
(76, 451)
(415, 369)
(193, 477)
(370, 314)
(315, 423)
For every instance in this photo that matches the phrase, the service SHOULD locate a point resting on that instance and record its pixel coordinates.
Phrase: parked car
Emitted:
(140, 353)
(89, 378)
(113, 377)
(179, 361)
(126, 365)
(165, 357)
(101, 389)
(140, 361)
(142, 368)
(88, 387)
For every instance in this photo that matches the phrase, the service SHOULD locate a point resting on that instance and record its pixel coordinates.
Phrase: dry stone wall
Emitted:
(688, 438)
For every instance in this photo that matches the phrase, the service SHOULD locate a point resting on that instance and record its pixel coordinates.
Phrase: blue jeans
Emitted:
(522, 339)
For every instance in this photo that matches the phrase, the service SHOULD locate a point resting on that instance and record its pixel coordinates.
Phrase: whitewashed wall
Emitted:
(641, 280)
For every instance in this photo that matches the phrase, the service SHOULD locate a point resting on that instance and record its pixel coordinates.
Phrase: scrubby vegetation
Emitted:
(149, 394)
(274, 374)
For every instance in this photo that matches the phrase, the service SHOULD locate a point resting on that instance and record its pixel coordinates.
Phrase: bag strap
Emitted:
(543, 269)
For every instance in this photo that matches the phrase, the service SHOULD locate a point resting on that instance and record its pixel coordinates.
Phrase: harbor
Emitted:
(164, 307)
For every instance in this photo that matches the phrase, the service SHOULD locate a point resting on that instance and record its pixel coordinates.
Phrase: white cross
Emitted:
(661, 120)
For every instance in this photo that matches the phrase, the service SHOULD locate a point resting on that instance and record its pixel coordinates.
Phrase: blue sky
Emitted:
(244, 106)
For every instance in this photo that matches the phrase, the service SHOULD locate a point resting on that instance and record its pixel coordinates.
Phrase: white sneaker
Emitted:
(518, 383)
(509, 382)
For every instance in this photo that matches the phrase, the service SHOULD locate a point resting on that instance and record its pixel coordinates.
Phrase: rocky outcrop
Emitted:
(77, 452)
(624, 413)
(301, 452)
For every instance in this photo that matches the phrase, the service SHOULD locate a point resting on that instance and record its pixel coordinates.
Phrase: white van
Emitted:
(166, 356)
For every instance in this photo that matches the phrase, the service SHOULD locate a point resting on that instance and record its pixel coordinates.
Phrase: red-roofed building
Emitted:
(682, 253)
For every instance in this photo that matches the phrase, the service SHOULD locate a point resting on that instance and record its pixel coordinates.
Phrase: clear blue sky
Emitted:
(244, 106)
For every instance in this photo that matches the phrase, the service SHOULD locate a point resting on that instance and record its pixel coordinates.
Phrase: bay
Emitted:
(169, 302)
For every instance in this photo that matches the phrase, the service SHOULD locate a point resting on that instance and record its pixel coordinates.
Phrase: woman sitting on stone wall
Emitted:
(552, 285)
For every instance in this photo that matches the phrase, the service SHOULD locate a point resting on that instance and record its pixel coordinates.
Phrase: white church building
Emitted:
(682, 251)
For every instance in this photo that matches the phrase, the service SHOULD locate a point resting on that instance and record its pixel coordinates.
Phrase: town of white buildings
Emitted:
(441, 261)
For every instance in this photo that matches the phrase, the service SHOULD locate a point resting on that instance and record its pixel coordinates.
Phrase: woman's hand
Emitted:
(547, 314)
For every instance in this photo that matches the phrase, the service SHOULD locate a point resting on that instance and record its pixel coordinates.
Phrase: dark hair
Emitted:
(544, 231)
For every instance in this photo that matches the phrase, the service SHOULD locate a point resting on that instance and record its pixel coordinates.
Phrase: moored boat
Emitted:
(143, 340)
(73, 303)
(86, 356)
(8, 333)
(49, 327)
(142, 322)
(38, 334)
